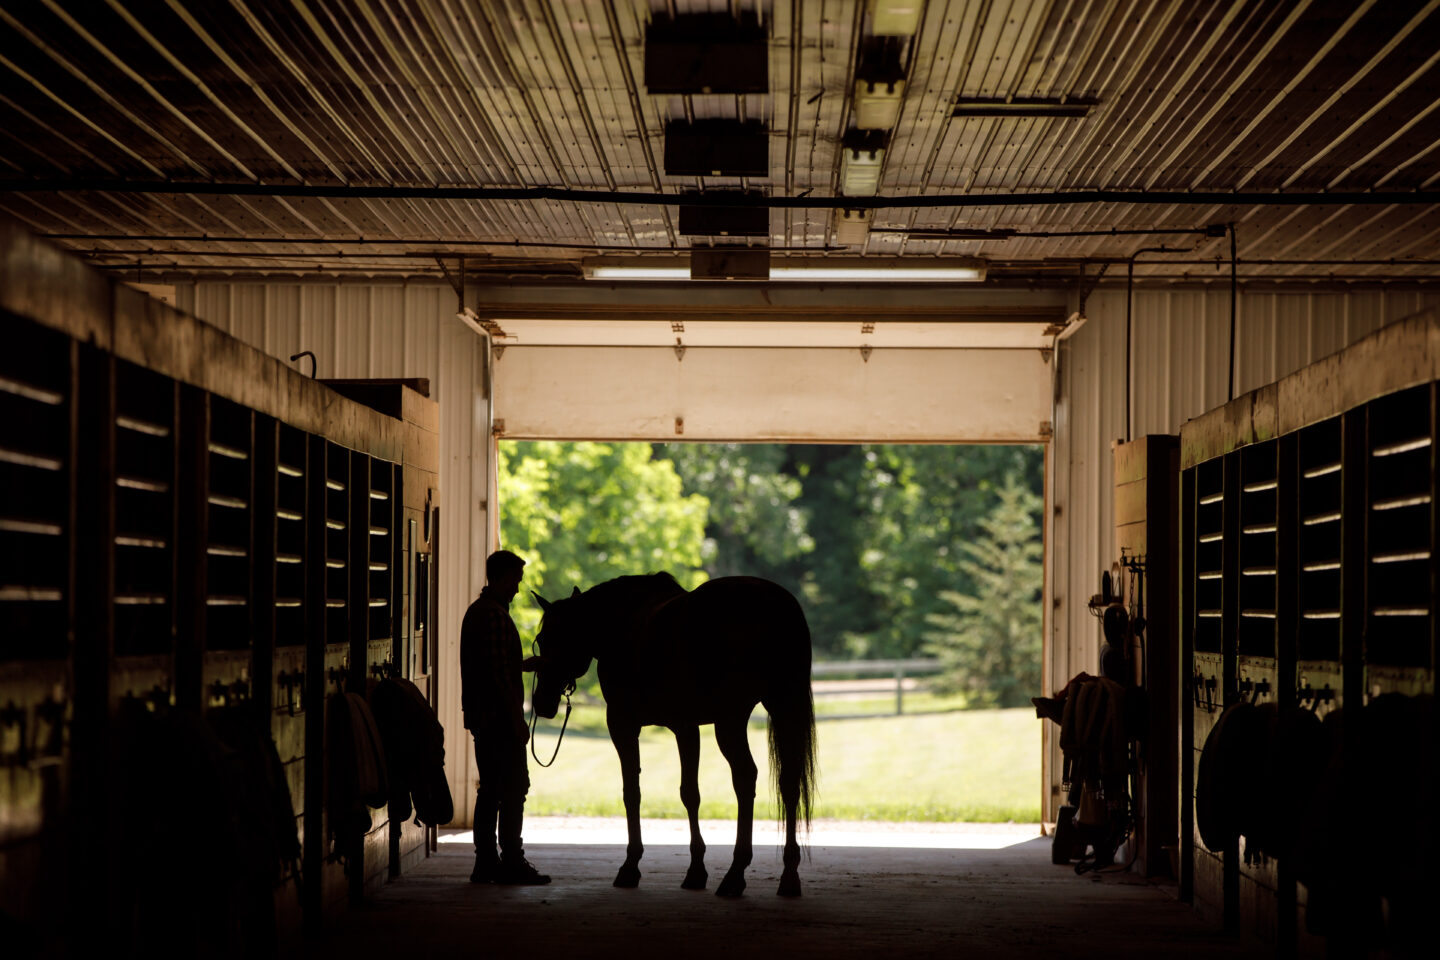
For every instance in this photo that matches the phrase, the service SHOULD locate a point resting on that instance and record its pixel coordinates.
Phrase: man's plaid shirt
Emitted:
(492, 694)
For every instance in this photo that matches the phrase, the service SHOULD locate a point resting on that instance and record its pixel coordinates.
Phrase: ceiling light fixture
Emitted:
(636, 272)
(894, 18)
(852, 227)
(970, 273)
(835, 269)
(860, 172)
(877, 103)
(862, 158)
(1023, 107)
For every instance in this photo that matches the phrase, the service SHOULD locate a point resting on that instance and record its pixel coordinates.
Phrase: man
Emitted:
(492, 697)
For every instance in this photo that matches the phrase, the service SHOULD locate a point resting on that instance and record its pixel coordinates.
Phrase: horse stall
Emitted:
(1308, 638)
(202, 547)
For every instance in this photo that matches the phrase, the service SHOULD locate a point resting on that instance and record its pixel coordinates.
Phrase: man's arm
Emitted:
(472, 668)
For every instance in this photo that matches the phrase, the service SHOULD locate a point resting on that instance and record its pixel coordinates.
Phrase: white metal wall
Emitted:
(393, 330)
(1179, 357)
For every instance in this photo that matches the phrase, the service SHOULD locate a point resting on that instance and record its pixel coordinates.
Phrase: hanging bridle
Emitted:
(569, 689)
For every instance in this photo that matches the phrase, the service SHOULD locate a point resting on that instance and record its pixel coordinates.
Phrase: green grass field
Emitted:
(969, 766)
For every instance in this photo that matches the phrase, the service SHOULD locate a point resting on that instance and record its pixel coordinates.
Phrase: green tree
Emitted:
(754, 526)
(866, 536)
(920, 505)
(990, 640)
(789, 513)
(581, 513)
(841, 603)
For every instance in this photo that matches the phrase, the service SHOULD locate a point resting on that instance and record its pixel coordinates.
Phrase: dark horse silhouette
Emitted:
(680, 659)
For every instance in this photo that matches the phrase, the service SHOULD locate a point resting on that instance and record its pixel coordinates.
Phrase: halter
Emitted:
(569, 689)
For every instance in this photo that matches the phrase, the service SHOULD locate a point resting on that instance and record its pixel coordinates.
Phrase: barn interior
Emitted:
(276, 277)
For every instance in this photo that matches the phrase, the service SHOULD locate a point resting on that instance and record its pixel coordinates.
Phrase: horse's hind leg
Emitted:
(731, 738)
(626, 737)
(790, 876)
(688, 740)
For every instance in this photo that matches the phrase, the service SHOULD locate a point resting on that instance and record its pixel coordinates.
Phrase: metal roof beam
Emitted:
(726, 199)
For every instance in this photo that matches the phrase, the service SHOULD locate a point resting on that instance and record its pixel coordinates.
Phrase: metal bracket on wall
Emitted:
(498, 350)
(865, 352)
(456, 283)
(679, 350)
(1087, 284)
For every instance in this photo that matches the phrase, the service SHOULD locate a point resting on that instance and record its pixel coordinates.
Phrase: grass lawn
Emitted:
(971, 765)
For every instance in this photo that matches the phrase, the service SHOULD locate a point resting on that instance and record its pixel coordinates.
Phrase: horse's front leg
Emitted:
(731, 738)
(687, 738)
(626, 737)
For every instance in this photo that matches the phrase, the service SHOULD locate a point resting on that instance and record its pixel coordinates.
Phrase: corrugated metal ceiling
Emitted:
(1206, 95)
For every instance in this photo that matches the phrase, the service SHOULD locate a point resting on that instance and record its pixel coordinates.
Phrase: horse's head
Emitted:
(563, 658)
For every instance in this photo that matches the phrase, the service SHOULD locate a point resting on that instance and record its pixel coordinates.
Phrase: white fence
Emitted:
(900, 670)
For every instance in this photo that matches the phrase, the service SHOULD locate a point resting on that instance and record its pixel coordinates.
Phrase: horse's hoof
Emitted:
(628, 878)
(789, 885)
(731, 886)
(695, 879)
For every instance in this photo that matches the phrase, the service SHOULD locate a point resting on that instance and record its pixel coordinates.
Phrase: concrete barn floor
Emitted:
(870, 890)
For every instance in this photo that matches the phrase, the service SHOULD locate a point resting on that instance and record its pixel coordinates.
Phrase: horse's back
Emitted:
(739, 614)
(754, 595)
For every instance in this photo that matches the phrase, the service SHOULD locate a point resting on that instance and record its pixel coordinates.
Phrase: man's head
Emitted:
(503, 571)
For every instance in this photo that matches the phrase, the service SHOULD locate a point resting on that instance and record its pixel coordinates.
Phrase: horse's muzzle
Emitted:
(545, 705)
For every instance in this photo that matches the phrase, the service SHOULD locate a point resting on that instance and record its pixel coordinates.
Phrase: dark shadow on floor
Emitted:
(870, 902)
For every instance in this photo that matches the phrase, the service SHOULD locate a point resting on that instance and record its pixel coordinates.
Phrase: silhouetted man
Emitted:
(492, 697)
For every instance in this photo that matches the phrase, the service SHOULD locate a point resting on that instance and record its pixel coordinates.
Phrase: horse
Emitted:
(680, 659)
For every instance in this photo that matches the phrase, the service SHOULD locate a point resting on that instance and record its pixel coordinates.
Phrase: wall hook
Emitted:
(314, 364)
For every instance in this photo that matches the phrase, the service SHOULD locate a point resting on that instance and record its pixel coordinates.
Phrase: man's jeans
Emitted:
(504, 782)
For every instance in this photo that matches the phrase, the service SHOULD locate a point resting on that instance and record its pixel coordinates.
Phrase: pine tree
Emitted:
(990, 644)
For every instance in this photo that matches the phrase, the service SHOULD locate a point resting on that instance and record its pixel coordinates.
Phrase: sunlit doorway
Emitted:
(920, 569)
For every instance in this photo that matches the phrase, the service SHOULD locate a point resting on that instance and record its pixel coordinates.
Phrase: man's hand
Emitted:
(530, 664)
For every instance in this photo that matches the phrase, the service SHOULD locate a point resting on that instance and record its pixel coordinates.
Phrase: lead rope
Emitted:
(558, 740)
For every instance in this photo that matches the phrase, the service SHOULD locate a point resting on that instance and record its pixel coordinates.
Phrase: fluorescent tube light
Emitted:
(881, 274)
(630, 272)
(805, 270)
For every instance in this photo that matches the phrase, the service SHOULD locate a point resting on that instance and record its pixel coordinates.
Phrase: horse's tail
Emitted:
(792, 746)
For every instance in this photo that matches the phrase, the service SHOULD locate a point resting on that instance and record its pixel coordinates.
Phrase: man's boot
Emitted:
(514, 868)
(486, 868)
(487, 863)
(517, 871)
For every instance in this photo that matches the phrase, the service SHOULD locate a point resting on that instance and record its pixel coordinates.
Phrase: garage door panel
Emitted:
(789, 395)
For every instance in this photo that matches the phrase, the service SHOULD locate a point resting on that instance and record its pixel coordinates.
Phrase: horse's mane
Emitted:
(607, 607)
(625, 592)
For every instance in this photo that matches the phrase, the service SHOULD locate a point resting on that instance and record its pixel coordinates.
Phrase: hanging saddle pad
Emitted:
(1214, 813)
(1299, 751)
